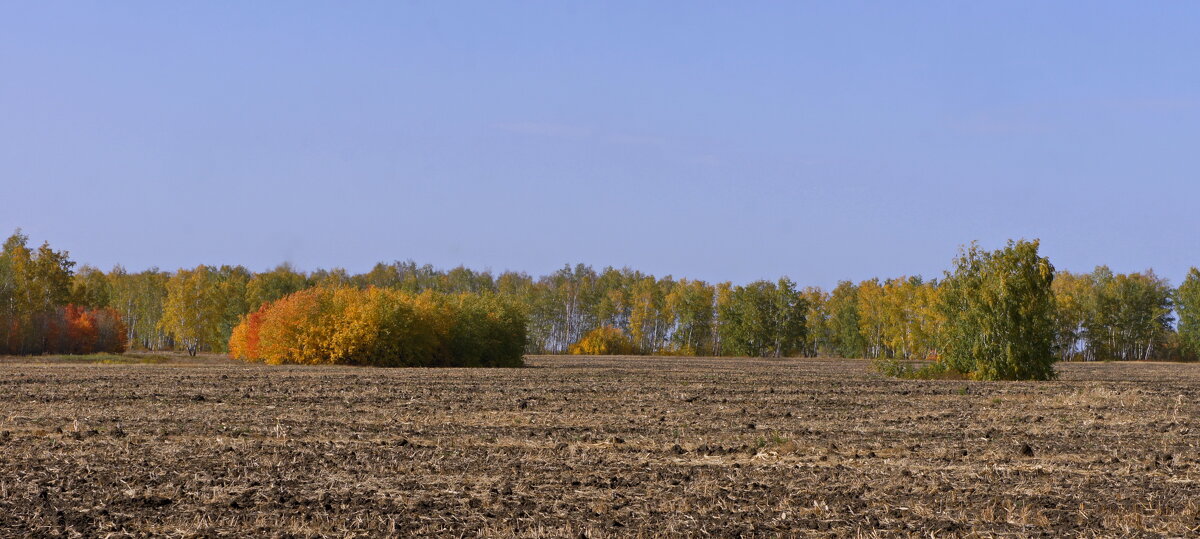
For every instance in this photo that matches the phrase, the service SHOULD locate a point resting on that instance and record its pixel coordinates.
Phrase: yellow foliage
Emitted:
(604, 340)
(382, 327)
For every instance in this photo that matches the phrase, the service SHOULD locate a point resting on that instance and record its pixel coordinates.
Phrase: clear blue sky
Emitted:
(722, 141)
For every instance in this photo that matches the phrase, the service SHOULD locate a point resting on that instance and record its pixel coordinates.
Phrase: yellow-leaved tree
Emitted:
(193, 309)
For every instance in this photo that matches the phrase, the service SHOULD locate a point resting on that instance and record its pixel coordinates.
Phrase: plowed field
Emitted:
(594, 447)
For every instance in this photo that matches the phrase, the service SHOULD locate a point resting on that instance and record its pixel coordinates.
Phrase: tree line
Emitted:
(1094, 316)
(39, 310)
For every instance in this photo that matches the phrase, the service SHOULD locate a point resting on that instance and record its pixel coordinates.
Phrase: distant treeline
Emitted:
(1097, 316)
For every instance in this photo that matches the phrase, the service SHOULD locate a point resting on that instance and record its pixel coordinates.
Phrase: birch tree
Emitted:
(194, 309)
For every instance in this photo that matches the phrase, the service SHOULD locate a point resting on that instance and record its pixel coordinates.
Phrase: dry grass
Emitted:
(593, 447)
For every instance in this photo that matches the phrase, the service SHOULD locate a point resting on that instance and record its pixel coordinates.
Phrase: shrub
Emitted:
(604, 340)
(383, 327)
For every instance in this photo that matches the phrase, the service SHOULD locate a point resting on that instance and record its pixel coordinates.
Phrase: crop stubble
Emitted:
(594, 447)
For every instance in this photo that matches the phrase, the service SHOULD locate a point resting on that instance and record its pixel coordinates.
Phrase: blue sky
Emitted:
(722, 141)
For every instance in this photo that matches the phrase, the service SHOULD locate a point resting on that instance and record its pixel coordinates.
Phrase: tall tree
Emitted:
(1129, 314)
(648, 316)
(999, 311)
(90, 288)
(1187, 304)
(818, 334)
(269, 286)
(763, 319)
(139, 298)
(38, 285)
(788, 313)
(10, 295)
(873, 318)
(234, 282)
(691, 303)
(748, 320)
(1074, 294)
(194, 309)
(844, 321)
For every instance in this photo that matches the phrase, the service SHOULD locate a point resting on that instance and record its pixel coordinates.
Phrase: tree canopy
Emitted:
(1099, 315)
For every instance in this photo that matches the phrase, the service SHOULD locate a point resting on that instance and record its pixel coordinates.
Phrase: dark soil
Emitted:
(594, 447)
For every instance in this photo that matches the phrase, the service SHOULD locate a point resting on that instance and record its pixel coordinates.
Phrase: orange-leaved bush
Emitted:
(383, 327)
(604, 340)
(77, 330)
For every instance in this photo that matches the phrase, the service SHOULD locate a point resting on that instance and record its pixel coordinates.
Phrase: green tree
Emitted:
(1129, 315)
(788, 313)
(613, 305)
(46, 279)
(562, 308)
(234, 281)
(90, 288)
(844, 325)
(463, 279)
(1187, 304)
(999, 314)
(272, 285)
(747, 320)
(10, 294)
(332, 278)
(763, 319)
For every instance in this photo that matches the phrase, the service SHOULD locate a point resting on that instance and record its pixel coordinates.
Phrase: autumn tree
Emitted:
(818, 337)
(36, 284)
(649, 315)
(691, 305)
(562, 308)
(910, 320)
(614, 306)
(1074, 297)
(37, 315)
(1107, 316)
(194, 309)
(872, 318)
(384, 327)
(139, 298)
